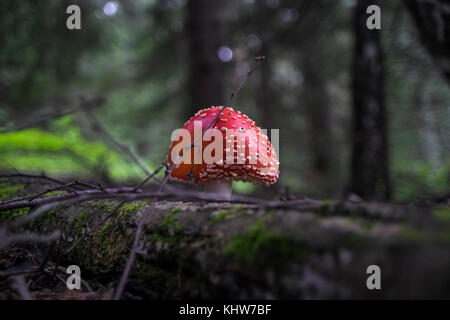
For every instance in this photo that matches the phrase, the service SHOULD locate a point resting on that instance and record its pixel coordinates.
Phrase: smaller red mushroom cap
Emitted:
(247, 154)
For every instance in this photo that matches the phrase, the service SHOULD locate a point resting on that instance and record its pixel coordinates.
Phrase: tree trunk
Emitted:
(206, 74)
(207, 250)
(369, 164)
(432, 19)
(318, 112)
(212, 250)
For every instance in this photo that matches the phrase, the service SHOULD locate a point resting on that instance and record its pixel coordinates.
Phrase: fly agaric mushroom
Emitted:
(240, 151)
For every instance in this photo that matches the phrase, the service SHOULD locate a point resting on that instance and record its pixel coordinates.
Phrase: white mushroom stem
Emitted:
(221, 188)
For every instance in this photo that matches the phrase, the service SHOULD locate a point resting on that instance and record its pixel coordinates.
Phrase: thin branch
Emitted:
(42, 176)
(103, 193)
(130, 194)
(249, 73)
(32, 215)
(6, 239)
(150, 177)
(82, 104)
(58, 188)
(122, 149)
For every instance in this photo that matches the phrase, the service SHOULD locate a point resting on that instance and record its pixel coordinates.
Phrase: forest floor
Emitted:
(205, 250)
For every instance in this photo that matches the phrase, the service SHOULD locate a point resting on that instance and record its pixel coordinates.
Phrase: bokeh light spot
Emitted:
(110, 8)
(225, 54)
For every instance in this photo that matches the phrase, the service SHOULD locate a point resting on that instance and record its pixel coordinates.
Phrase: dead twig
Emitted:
(6, 239)
(79, 195)
(32, 215)
(42, 176)
(122, 149)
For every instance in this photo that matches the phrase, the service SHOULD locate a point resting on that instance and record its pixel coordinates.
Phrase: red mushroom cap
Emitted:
(256, 163)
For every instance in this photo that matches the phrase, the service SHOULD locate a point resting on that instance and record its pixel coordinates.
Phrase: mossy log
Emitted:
(222, 250)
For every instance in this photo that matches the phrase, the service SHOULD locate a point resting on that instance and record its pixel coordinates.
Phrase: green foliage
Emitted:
(61, 150)
(243, 187)
(419, 178)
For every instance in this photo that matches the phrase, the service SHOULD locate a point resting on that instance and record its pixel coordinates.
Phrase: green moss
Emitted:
(442, 213)
(105, 230)
(53, 193)
(11, 214)
(103, 250)
(259, 243)
(104, 205)
(109, 234)
(132, 207)
(224, 214)
(174, 240)
(164, 232)
(170, 221)
(8, 191)
(80, 222)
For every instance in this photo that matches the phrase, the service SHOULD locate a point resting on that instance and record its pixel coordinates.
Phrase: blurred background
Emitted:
(359, 111)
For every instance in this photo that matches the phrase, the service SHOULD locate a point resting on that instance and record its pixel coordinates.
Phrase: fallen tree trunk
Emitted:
(222, 250)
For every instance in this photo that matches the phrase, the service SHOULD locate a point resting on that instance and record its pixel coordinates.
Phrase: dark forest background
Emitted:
(359, 111)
